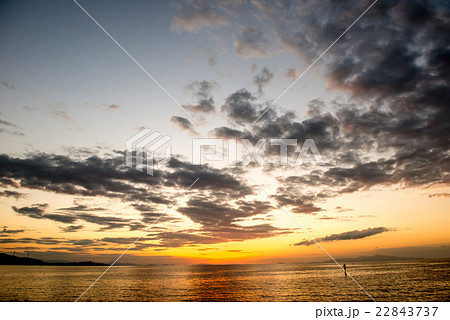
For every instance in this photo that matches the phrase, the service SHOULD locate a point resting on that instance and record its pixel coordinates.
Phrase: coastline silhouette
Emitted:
(7, 259)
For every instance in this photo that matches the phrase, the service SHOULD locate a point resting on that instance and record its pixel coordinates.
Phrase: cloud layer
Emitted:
(349, 235)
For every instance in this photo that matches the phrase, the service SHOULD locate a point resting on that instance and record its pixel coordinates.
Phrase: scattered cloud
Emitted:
(391, 130)
(211, 57)
(251, 43)
(8, 128)
(7, 85)
(239, 107)
(439, 195)
(349, 235)
(219, 223)
(197, 14)
(34, 211)
(262, 79)
(72, 228)
(107, 222)
(29, 109)
(292, 74)
(103, 105)
(7, 231)
(7, 123)
(201, 91)
(12, 194)
(183, 124)
(60, 112)
(341, 209)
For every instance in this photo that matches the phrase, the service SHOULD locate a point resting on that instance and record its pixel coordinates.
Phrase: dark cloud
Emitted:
(34, 211)
(251, 43)
(201, 91)
(213, 235)
(4, 182)
(315, 107)
(158, 239)
(214, 180)
(262, 79)
(381, 59)
(8, 130)
(382, 172)
(72, 228)
(392, 130)
(7, 123)
(439, 195)
(7, 231)
(43, 240)
(239, 106)
(241, 109)
(110, 222)
(194, 15)
(60, 217)
(72, 215)
(226, 132)
(37, 211)
(349, 235)
(81, 244)
(12, 194)
(82, 207)
(93, 176)
(183, 124)
(417, 152)
(217, 218)
(219, 222)
(204, 106)
(298, 203)
(221, 214)
(110, 177)
(150, 214)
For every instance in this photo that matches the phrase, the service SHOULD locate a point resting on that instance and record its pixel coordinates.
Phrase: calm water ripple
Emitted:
(385, 281)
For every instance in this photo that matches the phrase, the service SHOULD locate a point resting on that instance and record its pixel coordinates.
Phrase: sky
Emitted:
(375, 105)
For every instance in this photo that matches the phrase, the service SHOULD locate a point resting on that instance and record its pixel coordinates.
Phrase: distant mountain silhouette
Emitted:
(7, 259)
(374, 258)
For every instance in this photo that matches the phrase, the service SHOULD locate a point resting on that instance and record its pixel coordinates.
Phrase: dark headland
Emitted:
(374, 259)
(7, 259)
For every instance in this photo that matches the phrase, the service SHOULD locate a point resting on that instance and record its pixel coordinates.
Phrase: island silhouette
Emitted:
(7, 259)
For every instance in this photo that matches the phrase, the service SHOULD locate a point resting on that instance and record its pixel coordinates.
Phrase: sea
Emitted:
(427, 280)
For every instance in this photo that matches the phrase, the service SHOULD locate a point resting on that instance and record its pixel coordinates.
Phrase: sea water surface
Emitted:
(385, 281)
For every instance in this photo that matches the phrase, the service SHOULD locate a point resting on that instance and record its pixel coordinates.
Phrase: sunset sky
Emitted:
(376, 106)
